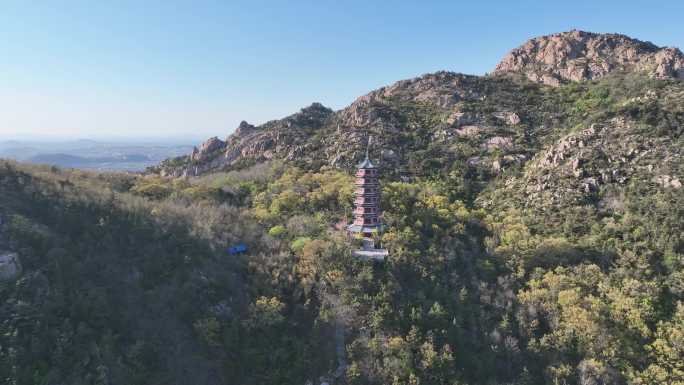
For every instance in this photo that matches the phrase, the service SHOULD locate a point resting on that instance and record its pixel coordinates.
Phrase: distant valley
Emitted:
(93, 155)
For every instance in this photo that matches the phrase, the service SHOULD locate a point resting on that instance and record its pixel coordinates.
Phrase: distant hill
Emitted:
(129, 162)
(67, 160)
(92, 154)
(60, 159)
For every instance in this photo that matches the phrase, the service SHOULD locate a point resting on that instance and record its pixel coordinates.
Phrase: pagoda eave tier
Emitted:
(365, 194)
(365, 215)
(365, 228)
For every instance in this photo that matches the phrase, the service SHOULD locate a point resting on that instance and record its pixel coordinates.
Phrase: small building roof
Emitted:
(366, 164)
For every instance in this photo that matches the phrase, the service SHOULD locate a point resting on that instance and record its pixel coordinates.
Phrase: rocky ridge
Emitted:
(317, 134)
(445, 121)
(283, 138)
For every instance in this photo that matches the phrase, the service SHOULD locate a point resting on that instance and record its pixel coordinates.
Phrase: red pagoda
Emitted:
(367, 219)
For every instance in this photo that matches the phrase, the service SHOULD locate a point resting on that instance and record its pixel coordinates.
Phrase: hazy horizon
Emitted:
(189, 70)
(132, 139)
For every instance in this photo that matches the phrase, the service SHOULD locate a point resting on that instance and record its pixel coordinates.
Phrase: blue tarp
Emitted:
(237, 249)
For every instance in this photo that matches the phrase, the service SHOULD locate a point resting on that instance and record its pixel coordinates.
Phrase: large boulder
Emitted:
(207, 149)
(499, 143)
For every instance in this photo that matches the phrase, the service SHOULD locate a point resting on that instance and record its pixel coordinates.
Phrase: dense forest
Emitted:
(557, 259)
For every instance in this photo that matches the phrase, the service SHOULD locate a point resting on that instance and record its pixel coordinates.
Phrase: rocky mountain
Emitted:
(455, 117)
(579, 55)
(403, 117)
(285, 138)
(534, 236)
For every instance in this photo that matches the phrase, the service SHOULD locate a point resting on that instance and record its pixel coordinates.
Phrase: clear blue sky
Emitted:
(102, 69)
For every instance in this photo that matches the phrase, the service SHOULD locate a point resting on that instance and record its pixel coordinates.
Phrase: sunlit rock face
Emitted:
(578, 55)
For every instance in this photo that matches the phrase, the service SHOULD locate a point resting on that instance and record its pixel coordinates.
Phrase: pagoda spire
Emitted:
(368, 144)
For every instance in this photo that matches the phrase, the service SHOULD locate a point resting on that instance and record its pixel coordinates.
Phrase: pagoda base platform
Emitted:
(371, 255)
(364, 229)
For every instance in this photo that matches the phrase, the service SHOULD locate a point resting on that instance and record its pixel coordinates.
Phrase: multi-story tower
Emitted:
(366, 200)
(367, 218)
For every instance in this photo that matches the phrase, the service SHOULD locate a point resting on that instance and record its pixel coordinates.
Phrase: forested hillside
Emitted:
(534, 232)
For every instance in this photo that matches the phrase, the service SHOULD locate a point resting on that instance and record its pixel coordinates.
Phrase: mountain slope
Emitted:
(535, 236)
(113, 288)
(403, 118)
